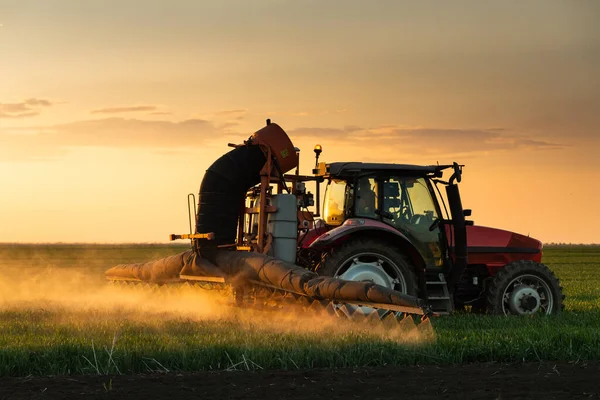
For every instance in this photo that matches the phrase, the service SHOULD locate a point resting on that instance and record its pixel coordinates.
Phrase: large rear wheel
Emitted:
(368, 260)
(524, 288)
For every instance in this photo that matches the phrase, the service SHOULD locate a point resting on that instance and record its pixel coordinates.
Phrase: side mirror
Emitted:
(457, 173)
(467, 213)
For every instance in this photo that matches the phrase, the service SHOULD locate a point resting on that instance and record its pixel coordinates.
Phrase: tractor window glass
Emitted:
(335, 196)
(366, 198)
(410, 208)
(420, 199)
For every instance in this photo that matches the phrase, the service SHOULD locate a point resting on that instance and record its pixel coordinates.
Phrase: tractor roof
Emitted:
(340, 169)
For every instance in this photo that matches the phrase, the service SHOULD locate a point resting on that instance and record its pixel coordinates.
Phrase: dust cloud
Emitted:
(80, 295)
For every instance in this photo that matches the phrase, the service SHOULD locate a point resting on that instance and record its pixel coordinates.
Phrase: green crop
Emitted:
(91, 335)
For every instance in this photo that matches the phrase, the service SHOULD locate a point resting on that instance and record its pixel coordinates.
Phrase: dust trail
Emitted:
(80, 295)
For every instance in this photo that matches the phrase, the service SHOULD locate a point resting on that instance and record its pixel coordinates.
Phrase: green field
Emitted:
(58, 316)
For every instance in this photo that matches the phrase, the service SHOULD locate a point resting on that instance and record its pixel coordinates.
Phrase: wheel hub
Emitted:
(524, 300)
(368, 272)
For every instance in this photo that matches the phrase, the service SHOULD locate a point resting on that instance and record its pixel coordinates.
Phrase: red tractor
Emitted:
(391, 225)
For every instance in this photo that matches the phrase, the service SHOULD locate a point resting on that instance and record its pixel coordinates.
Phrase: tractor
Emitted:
(390, 224)
(392, 238)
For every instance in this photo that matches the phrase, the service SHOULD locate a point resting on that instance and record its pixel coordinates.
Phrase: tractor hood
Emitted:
(496, 247)
(479, 237)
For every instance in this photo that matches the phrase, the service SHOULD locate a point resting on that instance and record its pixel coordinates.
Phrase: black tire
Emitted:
(398, 266)
(525, 269)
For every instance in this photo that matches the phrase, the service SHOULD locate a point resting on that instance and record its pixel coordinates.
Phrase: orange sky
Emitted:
(110, 111)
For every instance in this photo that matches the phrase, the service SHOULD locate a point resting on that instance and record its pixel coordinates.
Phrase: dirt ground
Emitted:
(475, 381)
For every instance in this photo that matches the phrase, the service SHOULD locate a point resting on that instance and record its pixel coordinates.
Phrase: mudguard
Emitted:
(354, 226)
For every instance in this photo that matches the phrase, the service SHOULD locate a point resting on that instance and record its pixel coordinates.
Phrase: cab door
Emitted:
(408, 205)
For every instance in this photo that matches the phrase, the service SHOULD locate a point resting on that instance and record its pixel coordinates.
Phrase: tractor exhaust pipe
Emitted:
(460, 230)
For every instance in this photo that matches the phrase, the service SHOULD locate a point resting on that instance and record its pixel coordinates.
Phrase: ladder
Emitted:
(438, 294)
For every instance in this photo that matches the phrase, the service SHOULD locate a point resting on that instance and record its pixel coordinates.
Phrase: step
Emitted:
(438, 298)
(435, 283)
(436, 290)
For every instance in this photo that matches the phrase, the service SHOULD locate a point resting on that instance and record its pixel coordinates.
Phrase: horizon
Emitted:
(109, 116)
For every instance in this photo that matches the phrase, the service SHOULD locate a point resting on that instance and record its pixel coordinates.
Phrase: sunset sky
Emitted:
(111, 111)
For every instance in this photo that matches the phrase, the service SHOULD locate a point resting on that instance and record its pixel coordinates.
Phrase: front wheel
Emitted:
(524, 288)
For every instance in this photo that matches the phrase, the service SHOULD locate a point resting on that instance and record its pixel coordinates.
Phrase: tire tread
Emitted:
(510, 271)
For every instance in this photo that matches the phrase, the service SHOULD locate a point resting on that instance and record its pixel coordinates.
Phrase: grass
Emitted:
(37, 339)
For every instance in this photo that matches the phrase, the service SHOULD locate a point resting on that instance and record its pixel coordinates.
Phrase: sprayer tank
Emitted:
(283, 226)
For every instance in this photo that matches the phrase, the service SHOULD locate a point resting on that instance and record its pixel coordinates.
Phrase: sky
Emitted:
(111, 111)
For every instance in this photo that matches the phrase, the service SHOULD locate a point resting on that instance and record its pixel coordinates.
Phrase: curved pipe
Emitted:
(223, 190)
(227, 180)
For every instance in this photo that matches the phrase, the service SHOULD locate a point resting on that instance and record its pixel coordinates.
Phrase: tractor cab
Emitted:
(392, 211)
(400, 198)
(403, 202)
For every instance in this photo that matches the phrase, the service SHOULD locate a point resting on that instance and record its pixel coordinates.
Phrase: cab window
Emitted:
(366, 198)
(334, 207)
(410, 208)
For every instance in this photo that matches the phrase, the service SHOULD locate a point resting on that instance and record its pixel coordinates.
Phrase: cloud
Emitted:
(427, 140)
(38, 102)
(124, 109)
(160, 113)
(121, 132)
(27, 108)
(306, 113)
(227, 125)
(169, 137)
(333, 133)
(56, 140)
(172, 152)
(231, 113)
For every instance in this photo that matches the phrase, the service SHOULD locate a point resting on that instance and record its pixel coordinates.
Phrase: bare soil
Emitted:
(475, 381)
